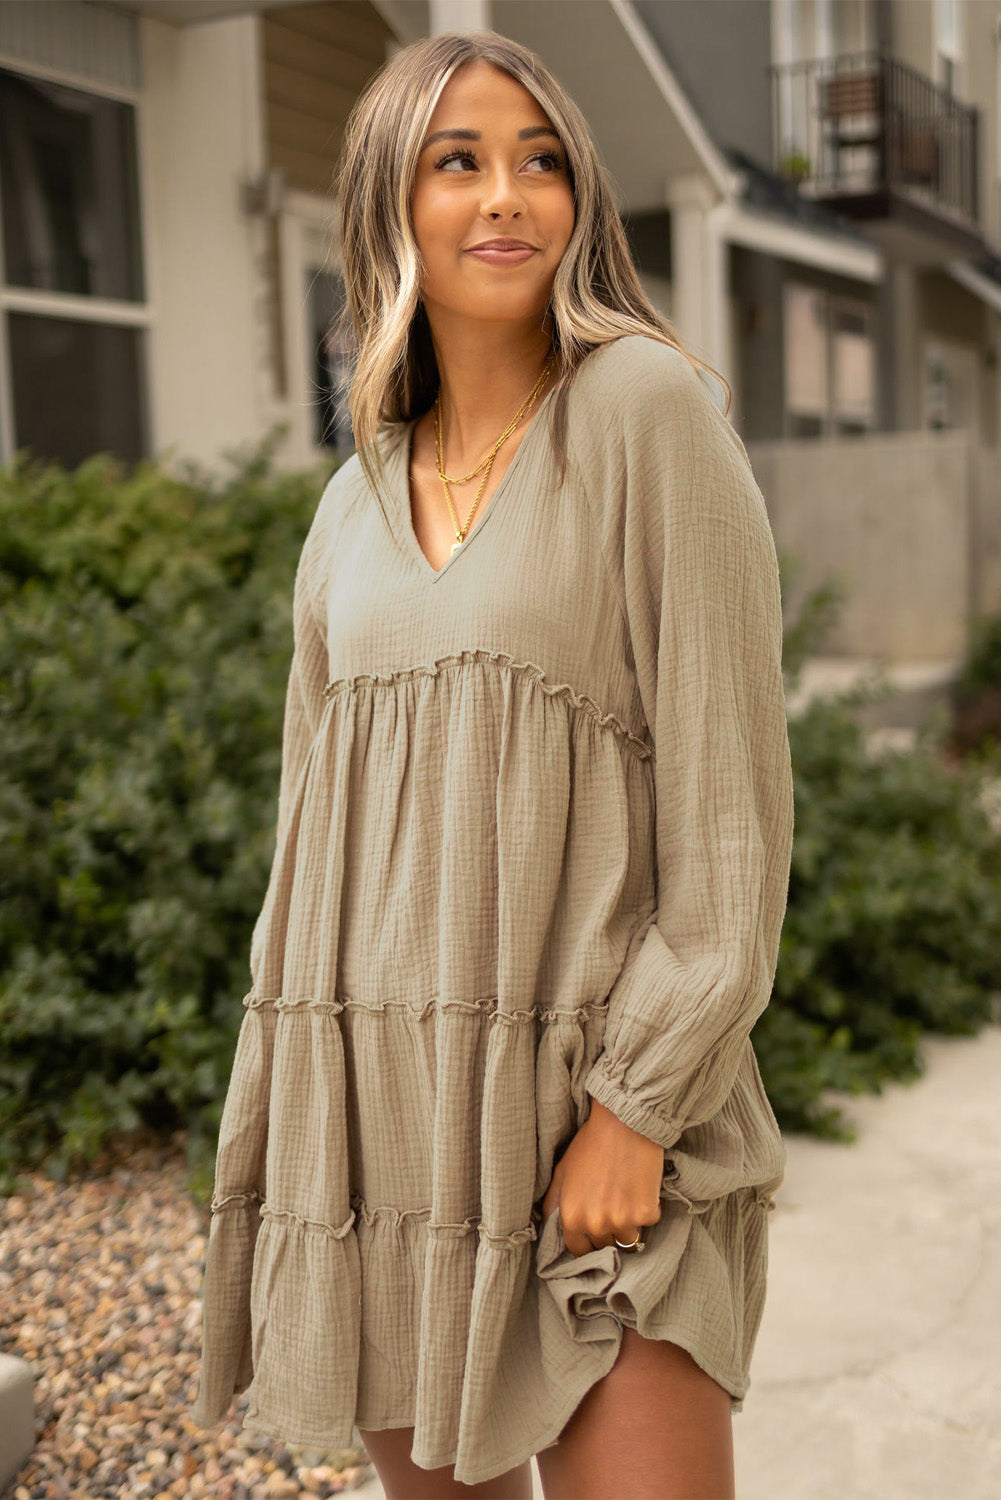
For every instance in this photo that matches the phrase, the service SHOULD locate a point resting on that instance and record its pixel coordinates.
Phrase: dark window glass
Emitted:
(331, 419)
(69, 190)
(78, 388)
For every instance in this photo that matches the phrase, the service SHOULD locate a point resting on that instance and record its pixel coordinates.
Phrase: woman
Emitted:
(495, 1160)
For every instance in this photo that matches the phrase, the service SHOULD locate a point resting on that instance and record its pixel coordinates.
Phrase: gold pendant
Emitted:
(456, 546)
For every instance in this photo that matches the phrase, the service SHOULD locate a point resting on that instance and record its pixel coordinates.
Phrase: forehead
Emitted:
(480, 87)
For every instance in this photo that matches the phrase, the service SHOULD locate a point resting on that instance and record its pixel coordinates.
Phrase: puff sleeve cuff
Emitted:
(702, 604)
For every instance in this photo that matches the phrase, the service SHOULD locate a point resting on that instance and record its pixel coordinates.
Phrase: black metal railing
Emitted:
(865, 122)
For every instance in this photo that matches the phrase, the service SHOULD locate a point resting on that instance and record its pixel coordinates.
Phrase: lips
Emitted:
(502, 255)
(502, 244)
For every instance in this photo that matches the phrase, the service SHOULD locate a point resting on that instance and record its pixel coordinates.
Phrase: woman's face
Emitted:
(509, 182)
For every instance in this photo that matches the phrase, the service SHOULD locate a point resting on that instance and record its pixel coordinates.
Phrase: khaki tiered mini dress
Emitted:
(534, 837)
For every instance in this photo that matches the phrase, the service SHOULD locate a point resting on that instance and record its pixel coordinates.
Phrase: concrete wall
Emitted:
(909, 522)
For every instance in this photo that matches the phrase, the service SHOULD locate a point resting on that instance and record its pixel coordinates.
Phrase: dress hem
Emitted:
(545, 1438)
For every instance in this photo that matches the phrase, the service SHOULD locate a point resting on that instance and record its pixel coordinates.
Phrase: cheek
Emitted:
(437, 220)
(562, 210)
(425, 212)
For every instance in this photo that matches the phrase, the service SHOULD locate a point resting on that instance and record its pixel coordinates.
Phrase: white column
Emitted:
(211, 347)
(458, 15)
(699, 271)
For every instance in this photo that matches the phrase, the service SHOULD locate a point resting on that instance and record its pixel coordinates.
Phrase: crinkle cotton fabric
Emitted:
(534, 837)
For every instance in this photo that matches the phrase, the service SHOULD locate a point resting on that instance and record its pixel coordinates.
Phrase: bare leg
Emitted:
(402, 1479)
(656, 1427)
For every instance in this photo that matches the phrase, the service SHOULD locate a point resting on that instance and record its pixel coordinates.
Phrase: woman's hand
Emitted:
(606, 1183)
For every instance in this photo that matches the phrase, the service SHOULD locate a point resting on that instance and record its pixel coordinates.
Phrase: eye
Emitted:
(443, 161)
(550, 157)
(546, 156)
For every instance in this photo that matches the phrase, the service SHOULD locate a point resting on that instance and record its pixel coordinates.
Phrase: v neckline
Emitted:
(404, 509)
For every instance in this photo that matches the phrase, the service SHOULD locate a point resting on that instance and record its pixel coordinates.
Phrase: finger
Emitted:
(624, 1236)
(578, 1243)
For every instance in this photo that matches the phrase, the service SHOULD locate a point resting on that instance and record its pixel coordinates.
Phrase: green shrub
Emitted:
(976, 696)
(894, 911)
(894, 898)
(145, 637)
(982, 664)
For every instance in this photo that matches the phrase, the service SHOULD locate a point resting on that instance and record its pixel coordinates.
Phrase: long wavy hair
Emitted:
(391, 374)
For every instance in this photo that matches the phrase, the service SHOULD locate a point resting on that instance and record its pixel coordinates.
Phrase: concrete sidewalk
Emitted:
(877, 1371)
(876, 1374)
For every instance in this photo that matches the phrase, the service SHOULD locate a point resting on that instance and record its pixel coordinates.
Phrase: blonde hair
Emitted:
(392, 376)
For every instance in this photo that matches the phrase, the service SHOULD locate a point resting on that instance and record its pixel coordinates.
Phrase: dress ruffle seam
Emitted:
(369, 1215)
(547, 1016)
(236, 1200)
(396, 1216)
(530, 669)
(286, 1215)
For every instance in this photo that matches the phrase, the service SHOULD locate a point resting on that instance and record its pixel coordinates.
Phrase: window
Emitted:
(853, 362)
(313, 296)
(331, 418)
(830, 363)
(807, 373)
(72, 289)
(950, 385)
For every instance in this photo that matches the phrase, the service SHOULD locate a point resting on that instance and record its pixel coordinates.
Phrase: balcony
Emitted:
(874, 139)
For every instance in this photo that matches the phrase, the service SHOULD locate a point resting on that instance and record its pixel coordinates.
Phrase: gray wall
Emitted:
(909, 522)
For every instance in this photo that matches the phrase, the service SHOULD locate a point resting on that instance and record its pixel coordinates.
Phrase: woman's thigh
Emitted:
(656, 1427)
(402, 1479)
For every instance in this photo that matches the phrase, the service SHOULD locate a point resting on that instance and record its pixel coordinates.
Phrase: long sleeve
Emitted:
(701, 599)
(304, 704)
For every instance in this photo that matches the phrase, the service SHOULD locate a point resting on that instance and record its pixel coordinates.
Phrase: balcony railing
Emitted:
(864, 123)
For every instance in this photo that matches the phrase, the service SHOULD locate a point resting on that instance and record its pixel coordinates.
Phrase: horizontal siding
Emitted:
(305, 150)
(353, 25)
(319, 98)
(317, 60)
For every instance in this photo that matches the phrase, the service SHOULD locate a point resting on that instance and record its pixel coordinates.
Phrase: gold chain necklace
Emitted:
(461, 532)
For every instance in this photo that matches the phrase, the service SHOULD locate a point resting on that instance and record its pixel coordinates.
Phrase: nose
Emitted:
(501, 193)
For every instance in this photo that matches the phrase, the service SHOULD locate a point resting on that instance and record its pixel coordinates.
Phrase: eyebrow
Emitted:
(529, 133)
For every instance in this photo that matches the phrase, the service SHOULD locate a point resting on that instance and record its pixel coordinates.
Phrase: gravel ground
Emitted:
(99, 1291)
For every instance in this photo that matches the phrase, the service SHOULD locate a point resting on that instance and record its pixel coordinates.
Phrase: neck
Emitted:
(482, 384)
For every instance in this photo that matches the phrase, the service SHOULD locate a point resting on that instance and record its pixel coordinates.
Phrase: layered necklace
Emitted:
(461, 532)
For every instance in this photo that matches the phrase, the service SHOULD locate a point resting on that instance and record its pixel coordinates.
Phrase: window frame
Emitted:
(306, 220)
(37, 302)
